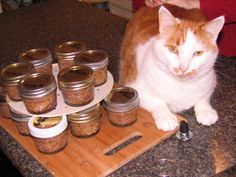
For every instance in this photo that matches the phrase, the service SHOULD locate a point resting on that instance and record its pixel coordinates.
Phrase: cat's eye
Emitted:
(173, 49)
(198, 53)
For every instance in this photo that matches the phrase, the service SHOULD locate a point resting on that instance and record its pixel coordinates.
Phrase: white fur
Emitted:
(163, 92)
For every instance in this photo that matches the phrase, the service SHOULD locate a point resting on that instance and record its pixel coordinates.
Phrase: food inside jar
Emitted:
(47, 68)
(65, 63)
(13, 92)
(85, 128)
(41, 105)
(53, 144)
(79, 97)
(22, 127)
(5, 110)
(122, 118)
(100, 76)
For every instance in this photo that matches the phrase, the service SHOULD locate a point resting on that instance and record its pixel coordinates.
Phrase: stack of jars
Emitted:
(80, 71)
(31, 80)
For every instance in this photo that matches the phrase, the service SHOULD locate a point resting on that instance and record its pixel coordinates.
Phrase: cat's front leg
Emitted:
(165, 120)
(163, 117)
(204, 112)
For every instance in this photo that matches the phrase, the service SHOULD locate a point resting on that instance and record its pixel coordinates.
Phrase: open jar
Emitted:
(97, 60)
(41, 59)
(4, 106)
(66, 52)
(39, 92)
(21, 121)
(49, 133)
(85, 123)
(122, 106)
(12, 74)
(77, 85)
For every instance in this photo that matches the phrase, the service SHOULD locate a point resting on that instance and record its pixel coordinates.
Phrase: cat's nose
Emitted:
(183, 68)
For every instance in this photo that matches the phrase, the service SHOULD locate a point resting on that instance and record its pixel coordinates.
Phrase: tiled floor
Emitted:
(6, 167)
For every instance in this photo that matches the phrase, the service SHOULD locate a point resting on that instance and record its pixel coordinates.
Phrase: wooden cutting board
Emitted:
(92, 156)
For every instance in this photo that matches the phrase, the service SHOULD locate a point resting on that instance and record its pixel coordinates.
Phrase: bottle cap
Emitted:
(184, 134)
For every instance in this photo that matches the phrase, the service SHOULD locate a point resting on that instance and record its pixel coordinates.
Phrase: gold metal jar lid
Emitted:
(95, 59)
(38, 57)
(75, 77)
(12, 73)
(121, 99)
(69, 49)
(37, 85)
(17, 116)
(46, 122)
(86, 115)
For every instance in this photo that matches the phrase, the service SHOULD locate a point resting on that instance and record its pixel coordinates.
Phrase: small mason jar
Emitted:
(39, 92)
(77, 85)
(49, 133)
(12, 74)
(97, 60)
(4, 107)
(21, 121)
(85, 123)
(41, 59)
(66, 52)
(122, 106)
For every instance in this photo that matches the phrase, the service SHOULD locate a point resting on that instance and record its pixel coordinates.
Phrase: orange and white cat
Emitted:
(167, 55)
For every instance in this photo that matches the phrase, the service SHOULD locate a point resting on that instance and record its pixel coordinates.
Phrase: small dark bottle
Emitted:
(184, 134)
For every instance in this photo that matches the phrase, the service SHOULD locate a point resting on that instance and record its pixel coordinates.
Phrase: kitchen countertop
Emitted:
(211, 151)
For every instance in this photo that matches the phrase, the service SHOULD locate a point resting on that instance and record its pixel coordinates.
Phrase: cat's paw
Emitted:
(166, 121)
(207, 116)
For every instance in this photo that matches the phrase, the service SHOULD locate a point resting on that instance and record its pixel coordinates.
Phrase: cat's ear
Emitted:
(166, 19)
(214, 26)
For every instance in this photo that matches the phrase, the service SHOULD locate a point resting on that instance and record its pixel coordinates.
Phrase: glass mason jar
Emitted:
(39, 92)
(12, 74)
(49, 133)
(85, 123)
(122, 106)
(77, 85)
(41, 59)
(97, 60)
(66, 52)
(4, 107)
(21, 121)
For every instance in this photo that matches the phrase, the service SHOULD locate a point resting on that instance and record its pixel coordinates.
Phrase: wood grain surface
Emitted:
(86, 157)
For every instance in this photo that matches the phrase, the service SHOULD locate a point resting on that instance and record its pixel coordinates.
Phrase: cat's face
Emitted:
(187, 58)
(185, 48)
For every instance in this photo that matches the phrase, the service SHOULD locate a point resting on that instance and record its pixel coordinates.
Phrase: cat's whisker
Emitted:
(218, 65)
(222, 75)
